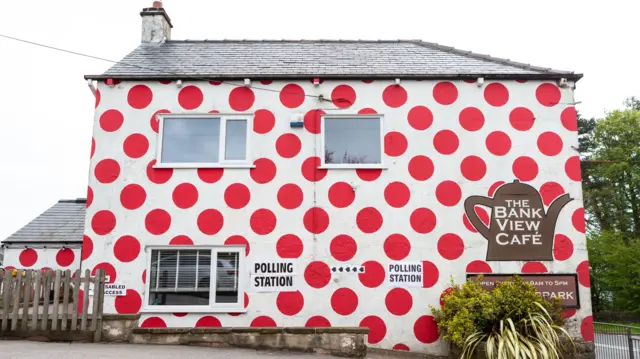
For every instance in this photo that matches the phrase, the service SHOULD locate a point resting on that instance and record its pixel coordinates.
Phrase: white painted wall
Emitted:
(42, 258)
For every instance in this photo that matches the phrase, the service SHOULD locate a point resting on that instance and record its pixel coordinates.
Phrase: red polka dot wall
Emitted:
(39, 256)
(386, 185)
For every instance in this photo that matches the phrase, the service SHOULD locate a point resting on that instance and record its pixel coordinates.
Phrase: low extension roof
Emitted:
(235, 59)
(62, 223)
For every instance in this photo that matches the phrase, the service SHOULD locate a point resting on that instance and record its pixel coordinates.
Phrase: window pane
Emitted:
(235, 146)
(179, 277)
(195, 140)
(352, 140)
(227, 277)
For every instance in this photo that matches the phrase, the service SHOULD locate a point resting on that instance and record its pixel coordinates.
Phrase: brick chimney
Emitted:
(156, 24)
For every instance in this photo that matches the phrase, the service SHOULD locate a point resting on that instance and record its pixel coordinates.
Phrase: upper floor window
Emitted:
(203, 140)
(352, 141)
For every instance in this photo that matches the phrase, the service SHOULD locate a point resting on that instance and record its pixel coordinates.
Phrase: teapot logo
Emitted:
(519, 229)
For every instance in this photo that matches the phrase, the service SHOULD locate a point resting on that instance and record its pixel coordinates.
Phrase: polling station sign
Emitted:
(274, 276)
(404, 274)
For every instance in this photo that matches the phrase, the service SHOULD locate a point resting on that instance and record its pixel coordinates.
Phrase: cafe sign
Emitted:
(550, 286)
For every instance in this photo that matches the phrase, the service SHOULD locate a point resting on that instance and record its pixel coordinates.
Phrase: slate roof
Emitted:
(62, 223)
(315, 58)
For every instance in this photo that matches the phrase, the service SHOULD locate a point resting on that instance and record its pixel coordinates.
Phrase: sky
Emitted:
(47, 108)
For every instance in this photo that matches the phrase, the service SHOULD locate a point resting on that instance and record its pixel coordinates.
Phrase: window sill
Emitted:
(189, 309)
(352, 167)
(205, 165)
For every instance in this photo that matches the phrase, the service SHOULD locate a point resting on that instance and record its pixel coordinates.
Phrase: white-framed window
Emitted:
(352, 141)
(184, 279)
(201, 141)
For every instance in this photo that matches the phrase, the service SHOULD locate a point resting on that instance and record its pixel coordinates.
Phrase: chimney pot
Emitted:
(157, 4)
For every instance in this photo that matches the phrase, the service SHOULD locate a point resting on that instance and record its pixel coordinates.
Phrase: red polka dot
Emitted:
(577, 218)
(550, 191)
(264, 171)
(89, 197)
(290, 196)
(111, 82)
(471, 119)
(237, 196)
(98, 97)
(181, 240)
(525, 168)
(496, 94)
(426, 330)
(343, 96)
(521, 118)
(190, 97)
(586, 329)
(139, 96)
(478, 267)
(395, 144)
(208, 321)
(241, 98)
(263, 322)
(373, 275)
(445, 93)
(569, 118)
(158, 175)
(534, 267)
(262, 221)
(109, 270)
(291, 96)
(448, 193)
(155, 124)
(290, 303)
(87, 247)
(367, 81)
(397, 247)
(562, 247)
(421, 168)
(377, 328)
(423, 220)
(130, 303)
(343, 247)
(136, 145)
(153, 322)
(185, 195)
(289, 246)
(111, 120)
(367, 111)
(549, 143)
(310, 170)
(215, 83)
(568, 313)
(572, 168)
(445, 142)
(132, 196)
(316, 220)
(341, 194)
(420, 118)
(344, 301)
(210, 175)
(398, 301)
(498, 143)
(317, 274)
(318, 322)
(548, 94)
(28, 257)
(473, 168)
(288, 145)
(397, 194)
(126, 249)
(210, 221)
(482, 214)
(103, 222)
(93, 148)
(394, 96)
(312, 121)
(494, 187)
(583, 274)
(107, 171)
(263, 121)
(401, 347)
(369, 220)
(266, 82)
(445, 293)
(165, 82)
(157, 221)
(521, 81)
(450, 246)
(368, 174)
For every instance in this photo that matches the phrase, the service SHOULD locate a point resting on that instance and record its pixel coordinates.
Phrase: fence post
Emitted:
(630, 341)
(28, 287)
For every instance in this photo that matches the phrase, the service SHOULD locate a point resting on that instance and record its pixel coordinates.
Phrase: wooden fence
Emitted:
(42, 302)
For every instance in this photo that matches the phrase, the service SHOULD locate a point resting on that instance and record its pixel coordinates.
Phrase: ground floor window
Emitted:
(195, 278)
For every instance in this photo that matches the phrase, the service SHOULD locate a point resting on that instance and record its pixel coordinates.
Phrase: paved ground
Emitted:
(37, 350)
